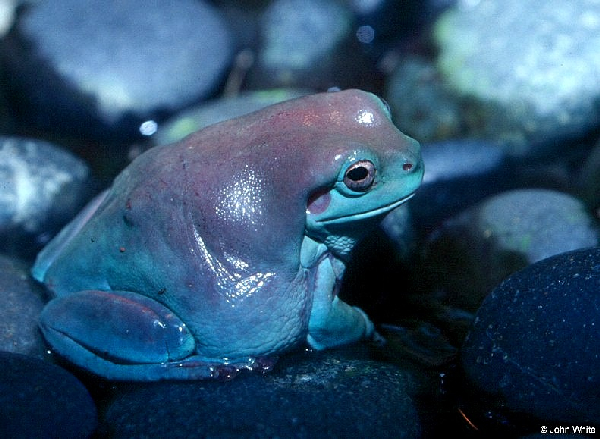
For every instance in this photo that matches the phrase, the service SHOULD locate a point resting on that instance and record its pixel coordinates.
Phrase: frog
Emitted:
(223, 251)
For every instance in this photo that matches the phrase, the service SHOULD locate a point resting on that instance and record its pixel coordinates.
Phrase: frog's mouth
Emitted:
(365, 215)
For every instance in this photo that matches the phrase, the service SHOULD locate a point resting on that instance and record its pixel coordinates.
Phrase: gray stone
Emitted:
(476, 249)
(104, 62)
(7, 15)
(298, 33)
(529, 70)
(41, 188)
(536, 223)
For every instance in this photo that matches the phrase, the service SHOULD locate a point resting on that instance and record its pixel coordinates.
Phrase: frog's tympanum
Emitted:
(221, 251)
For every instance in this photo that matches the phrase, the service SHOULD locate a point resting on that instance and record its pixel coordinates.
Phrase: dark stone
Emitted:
(535, 342)
(422, 107)
(41, 400)
(472, 252)
(326, 396)
(100, 68)
(588, 181)
(22, 301)
(458, 174)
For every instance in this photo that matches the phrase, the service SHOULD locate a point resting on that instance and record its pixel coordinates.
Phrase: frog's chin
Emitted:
(374, 213)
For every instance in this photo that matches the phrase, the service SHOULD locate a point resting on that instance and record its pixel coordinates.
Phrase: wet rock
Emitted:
(22, 301)
(475, 250)
(100, 68)
(529, 77)
(41, 188)
(504, 71)
(534, 345)
(219, 110)
(39, 399)
(324, 396)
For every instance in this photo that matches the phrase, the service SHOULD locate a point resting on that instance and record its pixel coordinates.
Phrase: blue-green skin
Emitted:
(228, 247)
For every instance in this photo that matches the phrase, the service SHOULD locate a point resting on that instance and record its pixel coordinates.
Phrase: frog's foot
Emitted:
(340, 324)
(126, 336)
(200, 368)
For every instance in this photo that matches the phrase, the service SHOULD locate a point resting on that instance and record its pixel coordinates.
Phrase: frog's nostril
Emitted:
(407, 166)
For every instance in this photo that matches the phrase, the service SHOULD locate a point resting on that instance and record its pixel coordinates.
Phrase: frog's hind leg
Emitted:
(118, 335)
(121, 335)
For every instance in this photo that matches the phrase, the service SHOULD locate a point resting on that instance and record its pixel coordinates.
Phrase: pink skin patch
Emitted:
(318, 202)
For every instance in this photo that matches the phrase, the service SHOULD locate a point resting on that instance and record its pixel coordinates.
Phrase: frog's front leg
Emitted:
(332, 321)
(122, 335)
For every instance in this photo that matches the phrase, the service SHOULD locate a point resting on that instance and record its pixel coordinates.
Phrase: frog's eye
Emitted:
(360, 175)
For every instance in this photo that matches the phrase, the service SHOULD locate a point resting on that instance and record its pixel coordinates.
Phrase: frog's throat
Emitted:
(364, 215)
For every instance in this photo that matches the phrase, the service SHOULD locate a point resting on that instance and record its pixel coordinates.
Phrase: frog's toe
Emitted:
(116, 327)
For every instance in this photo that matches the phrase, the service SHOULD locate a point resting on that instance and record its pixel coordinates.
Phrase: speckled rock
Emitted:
(529, 71)
(219, 110)
(22, 301)
(476, 249)
(41, 400)
(100, 67)
(326, 396)
(512, 72)
(535, 342)
(41, 188)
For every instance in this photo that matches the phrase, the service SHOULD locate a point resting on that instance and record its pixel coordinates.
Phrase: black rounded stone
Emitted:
(41, 400)
(536, 340)
(326, 397)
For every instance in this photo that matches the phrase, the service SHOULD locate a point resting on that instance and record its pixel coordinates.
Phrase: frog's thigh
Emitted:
(332, 321)
(119, 326)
